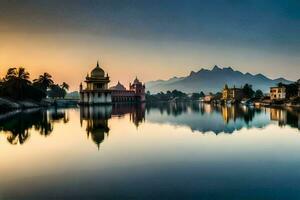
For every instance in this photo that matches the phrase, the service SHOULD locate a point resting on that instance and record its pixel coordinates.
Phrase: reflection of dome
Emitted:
(98, 130)
(97, 72)
(98, 134)
(119, 86)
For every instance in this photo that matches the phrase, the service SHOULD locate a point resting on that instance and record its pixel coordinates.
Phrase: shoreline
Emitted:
(9, 105)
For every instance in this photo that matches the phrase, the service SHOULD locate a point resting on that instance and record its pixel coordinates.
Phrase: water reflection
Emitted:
(285, 117)
(96, 118)
(220, 119)
(17, 127)
(136, 112)
(198, 117)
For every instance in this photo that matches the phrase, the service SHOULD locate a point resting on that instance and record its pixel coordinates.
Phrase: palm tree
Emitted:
(44, 81)
(17, 79)
(64, 86)
(10, 74)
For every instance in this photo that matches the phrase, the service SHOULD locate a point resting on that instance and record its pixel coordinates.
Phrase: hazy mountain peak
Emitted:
(228, 69)
(174, 78)
(216, 68)
(214, 80)
(260, 76)
(192, 73)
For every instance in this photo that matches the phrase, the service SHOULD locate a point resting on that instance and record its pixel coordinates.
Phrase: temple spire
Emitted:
(97, 63)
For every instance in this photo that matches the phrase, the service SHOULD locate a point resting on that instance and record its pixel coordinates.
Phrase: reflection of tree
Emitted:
(237, 112)
(286, 117)
(174, 108)
(17, 127)
(42, 124)
(208, 117)
(234, 117)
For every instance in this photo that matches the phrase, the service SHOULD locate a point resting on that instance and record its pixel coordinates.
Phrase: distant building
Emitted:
(278, 93)
(136, 92)
(208, 98)
(298, 83)
(232, 93)
(97, 91)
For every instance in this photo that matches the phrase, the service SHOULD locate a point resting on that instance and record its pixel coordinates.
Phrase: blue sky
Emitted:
(255, 36)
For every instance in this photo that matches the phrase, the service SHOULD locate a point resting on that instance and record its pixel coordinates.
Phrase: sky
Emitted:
(150, 39)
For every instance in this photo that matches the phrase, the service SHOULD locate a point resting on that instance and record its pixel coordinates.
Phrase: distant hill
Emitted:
(213, 81)
(72, 95)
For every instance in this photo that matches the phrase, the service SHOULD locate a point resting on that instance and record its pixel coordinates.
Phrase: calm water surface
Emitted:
(164, 151)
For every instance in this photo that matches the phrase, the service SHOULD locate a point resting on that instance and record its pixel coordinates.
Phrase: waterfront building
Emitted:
(136, 92)
(98, 92)
(298, 83)
(232, 93)
(277, 93)
(208, 98)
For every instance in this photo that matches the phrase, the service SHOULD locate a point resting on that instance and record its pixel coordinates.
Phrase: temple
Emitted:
(98, 92)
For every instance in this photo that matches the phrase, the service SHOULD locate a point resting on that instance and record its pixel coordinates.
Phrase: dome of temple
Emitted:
(119, 86)
(136, 81)
(97, 72)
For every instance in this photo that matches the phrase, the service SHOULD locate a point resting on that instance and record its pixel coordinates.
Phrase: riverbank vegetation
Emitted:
(16, 86)
(174, 95)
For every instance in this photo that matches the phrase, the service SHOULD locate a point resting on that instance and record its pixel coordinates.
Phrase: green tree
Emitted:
(177, 93)
(290, 89)
(248, 91)
(15, 83)
(202, 94)
(195, 96)
(56, 91)
(64, 86)
(258, 94)
(44, 81)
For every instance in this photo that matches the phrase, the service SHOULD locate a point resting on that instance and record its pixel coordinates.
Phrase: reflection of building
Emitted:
(298, 83)
(229, 113)
(97, 92)
(136, 112)
(96, 118)
(278, 115)
(277, 93)
(286, 117)
(208, 98)
(232, 93)
(96, 122)
(237, 112)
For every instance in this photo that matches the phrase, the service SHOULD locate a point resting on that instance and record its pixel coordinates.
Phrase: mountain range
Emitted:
(213, 81)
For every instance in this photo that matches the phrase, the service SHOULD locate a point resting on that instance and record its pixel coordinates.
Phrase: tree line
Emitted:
(248, 92)
(171, 95)
(16, 84)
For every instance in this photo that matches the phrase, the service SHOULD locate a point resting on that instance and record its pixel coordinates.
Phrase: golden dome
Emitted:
(119, 86)
(97, 72)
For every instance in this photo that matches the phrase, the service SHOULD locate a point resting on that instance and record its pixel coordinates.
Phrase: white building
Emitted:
(96, 91)
(277, 93)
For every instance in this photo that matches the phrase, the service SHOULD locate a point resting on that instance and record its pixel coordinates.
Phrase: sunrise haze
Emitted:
(149, 39)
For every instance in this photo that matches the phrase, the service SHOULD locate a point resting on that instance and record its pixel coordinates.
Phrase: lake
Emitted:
(159, 151)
